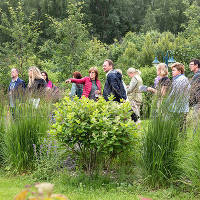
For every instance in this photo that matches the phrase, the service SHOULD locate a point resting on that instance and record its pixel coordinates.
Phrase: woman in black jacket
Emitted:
(37, 84)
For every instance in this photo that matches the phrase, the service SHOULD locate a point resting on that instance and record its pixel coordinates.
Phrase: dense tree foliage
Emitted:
(112, 19)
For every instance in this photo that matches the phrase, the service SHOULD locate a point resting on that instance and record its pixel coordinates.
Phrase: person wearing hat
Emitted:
(133, 93)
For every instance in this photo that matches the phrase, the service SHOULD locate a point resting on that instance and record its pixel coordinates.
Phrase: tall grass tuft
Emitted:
(160, 145)
(27, 127)
(3, 107)
(190, 162)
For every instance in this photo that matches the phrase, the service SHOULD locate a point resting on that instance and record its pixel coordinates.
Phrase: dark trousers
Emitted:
(134, 117)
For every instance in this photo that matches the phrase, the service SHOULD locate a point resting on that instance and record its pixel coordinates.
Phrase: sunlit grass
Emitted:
(74, 190)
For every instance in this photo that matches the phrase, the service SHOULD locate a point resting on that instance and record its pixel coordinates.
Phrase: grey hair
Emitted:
(133, 70)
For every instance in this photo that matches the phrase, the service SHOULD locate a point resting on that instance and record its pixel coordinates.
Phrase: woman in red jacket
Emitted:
(91, 84)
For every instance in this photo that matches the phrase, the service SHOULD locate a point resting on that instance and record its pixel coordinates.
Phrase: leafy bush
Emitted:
(96, 132)
(148, 75)
(4, 74)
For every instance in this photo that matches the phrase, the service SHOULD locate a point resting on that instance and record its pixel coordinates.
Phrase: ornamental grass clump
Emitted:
(190, 162)
(3, 107)
(161, 142)
(94, 132)
(27, 126)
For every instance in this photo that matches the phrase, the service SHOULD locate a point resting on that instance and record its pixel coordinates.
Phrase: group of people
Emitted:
(38, 83)
(181, 93)
(90, 86)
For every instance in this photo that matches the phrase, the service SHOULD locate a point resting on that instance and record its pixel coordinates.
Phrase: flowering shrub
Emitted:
(47, 158)
(96, 132)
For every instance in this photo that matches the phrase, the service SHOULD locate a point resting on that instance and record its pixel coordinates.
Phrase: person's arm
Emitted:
(197, 97)
(150, 89)
(192, 98)
(132, 85)
(78, 81)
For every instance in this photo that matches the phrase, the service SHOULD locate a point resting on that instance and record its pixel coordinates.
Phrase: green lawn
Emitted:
(10, 186)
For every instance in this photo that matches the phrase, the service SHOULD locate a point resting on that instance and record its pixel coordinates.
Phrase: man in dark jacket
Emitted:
(16, 87)
(195, 91)
(113, 85)
(195, 83)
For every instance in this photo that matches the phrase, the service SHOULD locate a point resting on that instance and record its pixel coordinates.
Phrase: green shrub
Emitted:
(4, 75)
(26, 128)
(96, 132)
(148, 75)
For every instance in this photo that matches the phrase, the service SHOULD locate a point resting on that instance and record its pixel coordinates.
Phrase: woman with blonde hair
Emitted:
(91, 84)
(164, 82)
(36, 81)
(133, 93)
